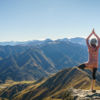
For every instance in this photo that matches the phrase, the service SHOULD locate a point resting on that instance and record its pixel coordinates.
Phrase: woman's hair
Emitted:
(93, 41)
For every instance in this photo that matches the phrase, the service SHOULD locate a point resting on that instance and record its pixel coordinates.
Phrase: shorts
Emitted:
(83, 66)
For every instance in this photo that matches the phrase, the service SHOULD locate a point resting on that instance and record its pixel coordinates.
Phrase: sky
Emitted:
(22, 20)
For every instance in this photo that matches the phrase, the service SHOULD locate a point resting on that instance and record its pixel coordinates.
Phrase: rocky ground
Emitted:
(80, 94)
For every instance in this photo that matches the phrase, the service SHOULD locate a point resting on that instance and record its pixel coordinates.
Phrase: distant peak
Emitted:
(48, 40)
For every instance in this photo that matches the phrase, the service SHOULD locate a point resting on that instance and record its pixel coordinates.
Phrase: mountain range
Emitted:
(44, 71)
(78, 40)
(27, 62)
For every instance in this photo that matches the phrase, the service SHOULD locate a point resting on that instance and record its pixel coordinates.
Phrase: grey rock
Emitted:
(81, 94)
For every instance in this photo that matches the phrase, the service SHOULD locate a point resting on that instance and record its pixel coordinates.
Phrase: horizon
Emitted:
(24, 20)
(44, 39)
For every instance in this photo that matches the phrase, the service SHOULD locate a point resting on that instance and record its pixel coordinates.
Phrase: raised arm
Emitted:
(98, 43)
(87, 40)
(97, 38)
(95, 34)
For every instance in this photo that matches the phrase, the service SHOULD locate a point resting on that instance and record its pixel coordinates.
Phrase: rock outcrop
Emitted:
(80, 94)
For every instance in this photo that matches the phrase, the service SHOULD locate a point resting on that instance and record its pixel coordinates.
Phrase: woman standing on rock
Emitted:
(93, 49)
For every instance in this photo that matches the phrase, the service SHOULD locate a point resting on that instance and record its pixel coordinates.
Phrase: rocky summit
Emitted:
(81, 94)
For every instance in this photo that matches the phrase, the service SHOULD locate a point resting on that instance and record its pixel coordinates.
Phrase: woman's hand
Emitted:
(89, 37)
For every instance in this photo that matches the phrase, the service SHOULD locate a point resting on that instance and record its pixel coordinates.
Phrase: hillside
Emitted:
(64, 54)
(6, 51)
(52, 88)
(29, 63)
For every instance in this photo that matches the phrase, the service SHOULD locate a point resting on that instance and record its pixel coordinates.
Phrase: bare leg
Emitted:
(93, 70)
(93, 80)
(93, 84)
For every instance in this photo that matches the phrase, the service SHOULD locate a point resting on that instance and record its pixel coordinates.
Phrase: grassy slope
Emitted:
(52, 88)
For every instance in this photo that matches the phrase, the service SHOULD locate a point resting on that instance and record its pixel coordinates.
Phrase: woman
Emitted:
(93, 49)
